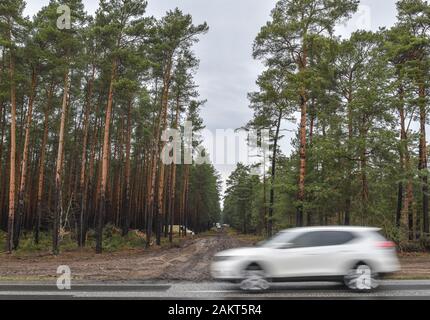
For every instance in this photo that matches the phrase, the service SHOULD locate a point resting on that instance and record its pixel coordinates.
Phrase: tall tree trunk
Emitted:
(105, 163)
(153, 172)
(117, 176)
(41, 179)
(303, 140)
(162, 127)
(146, 185)
(423, 158)
(3, 222)
(399, 202)
(166, 203)
(152, 181)
(348, 200)
(172, 201)
(127, 189)
(12, 164)
(364, 181)
(91, 180)
(24, 161)
(82, 180)
(2, 111)
(149, 208)
(59, 168)
(173, 176)
(184, 199)
(312, 121)
(273, 175)
(263, 212)
(403, 206)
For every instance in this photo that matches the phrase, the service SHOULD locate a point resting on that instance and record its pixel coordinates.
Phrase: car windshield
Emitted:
(278, 240)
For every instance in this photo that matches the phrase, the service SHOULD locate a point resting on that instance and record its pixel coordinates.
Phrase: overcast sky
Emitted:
(227, 70)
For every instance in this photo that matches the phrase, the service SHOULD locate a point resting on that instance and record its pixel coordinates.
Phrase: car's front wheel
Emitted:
(254, 279)
(361, 278)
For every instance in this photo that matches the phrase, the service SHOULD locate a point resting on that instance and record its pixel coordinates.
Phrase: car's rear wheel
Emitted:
(254, 279)
(361, 278)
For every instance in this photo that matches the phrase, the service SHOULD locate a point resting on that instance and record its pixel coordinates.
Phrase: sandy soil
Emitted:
(414, 266)
(189, 262)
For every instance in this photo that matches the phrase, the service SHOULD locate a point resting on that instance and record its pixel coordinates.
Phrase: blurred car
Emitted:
(356, 256)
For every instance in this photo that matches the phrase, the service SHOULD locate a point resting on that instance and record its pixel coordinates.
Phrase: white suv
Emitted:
(356, 256)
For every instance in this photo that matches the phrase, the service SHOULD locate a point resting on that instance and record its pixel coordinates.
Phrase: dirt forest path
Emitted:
(188, 262)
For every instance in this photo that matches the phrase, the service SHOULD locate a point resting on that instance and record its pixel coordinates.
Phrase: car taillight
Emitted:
(385, 244)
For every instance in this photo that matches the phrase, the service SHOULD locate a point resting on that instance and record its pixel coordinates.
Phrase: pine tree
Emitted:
(63, 47)
(272, 105)
(414, 16)
(12, 23)
(117, 22)
(175, 32)
(287, 39)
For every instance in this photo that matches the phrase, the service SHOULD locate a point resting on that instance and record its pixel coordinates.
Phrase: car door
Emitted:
(335, 250)
(296, 259)
(313, 254)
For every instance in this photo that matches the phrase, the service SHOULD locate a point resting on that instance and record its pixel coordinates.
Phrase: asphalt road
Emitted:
(416, 289)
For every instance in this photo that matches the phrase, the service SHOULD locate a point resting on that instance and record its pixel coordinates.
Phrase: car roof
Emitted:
(333, 228)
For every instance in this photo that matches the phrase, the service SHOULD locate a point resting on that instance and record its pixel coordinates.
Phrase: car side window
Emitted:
(335, 238)
(322, 239)
(309, 239)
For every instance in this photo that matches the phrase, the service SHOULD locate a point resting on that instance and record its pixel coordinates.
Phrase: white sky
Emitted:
(227, 70)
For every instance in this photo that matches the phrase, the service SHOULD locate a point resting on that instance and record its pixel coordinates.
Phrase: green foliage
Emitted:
(363, 97)
(140, 66)
(113, 241)
(425, 243)
(411, 246)
(204, 197)
(243, 193)
(28, 246)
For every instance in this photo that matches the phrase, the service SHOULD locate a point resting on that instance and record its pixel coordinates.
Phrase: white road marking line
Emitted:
(210, 291)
